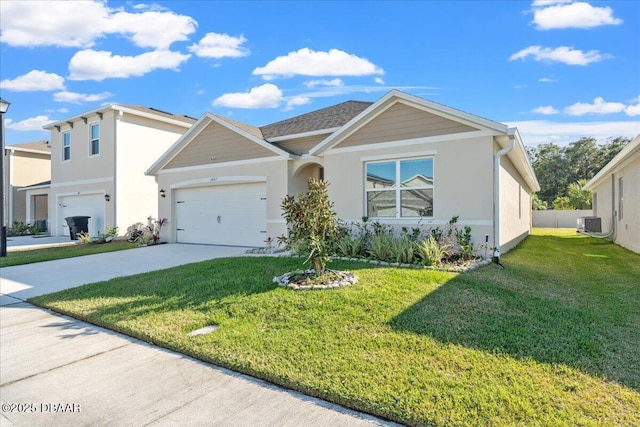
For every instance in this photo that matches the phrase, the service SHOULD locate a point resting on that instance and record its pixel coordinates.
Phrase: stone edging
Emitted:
(347, 279)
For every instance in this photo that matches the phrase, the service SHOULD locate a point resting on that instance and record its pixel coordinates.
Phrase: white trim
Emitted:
(413, 141)
(34, 187)
(398, 188)
(26, 150)
(276, 221)
(82, 182)
(217, 180)
(424, 221)
(196, 129)
(302, 135)
(220, 165)
(89, 125)
(121, 108)
(62, 134)
(393, 97)
(399, 156)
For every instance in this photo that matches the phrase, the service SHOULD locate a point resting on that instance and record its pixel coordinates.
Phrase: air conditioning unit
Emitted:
(590, 224)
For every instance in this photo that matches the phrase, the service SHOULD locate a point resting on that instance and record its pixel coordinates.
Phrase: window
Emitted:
(66, 146)
(94, 139)
(400, 188)
(620, 199)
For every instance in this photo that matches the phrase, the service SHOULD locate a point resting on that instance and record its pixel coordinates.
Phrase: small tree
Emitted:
(538, 204)
(313, 225)
(579, 198)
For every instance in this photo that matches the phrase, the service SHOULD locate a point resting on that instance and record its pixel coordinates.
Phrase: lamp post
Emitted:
(4, 106)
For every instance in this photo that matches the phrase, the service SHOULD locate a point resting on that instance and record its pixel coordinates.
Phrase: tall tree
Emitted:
(549, 166)
(583, 159)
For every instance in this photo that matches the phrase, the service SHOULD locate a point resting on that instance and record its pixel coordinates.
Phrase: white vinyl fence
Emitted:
(559, 219)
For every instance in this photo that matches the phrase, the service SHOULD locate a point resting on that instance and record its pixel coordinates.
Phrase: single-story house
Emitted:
(401, 160)
(616, 196)
(26, 164)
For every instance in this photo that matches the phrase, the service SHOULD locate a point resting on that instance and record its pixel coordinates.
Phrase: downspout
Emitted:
(114, 199)
(496, 194)
(614, 214)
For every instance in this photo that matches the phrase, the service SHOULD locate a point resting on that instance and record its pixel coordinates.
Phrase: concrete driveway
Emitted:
(26, 281)
(58, 371)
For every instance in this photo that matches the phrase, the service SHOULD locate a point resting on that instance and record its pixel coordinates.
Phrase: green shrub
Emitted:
(381, 247)
(84, 237)
(313, 225)
(403, 248)
(350, 246)
(431, 251)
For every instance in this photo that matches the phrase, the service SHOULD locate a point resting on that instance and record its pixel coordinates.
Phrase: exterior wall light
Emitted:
(163, 193)
(107, 198)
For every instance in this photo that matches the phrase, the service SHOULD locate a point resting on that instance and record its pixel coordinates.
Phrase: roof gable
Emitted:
(472, 122)
(214, 139)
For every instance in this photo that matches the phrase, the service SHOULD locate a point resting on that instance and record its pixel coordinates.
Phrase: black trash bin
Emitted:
(77, 224)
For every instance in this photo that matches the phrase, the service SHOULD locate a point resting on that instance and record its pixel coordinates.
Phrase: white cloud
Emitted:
(633, 110)
(30, 124)
(564, 54)
(295, 101)
(535, 132)
(34, 80)
(99, 65)
(547, 110)
(80, 98)
(48, 23)
(554, 15)
(379, 80)
(332, 82)
(599, 106)
(306, 62)
(214, 45)
(59, 110)
(547, 80)
(152, 29)
(80, 23)
(266, 96)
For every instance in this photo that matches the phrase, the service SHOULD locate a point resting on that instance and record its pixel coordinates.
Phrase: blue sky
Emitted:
(558, 70)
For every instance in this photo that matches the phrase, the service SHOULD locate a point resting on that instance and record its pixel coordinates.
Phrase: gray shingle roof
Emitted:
(33, 145)
(151, 110)
(325, 118)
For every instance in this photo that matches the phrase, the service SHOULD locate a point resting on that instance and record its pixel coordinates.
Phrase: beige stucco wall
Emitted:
(273, 170)
(515, 206)
(463, 182)
(627, 229)
(25, 169)
(132, 143)
(141, 142)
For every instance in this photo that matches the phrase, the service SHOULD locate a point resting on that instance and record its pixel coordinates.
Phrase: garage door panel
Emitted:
(82, 205)
(222, 215)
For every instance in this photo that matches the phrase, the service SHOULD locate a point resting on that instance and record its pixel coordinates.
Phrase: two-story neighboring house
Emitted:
(26, 164)
(98, 160)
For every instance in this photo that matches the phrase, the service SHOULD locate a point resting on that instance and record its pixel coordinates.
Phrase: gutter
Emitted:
(496, 193)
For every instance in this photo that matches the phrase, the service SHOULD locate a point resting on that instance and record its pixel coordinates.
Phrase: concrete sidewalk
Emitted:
(52, 363)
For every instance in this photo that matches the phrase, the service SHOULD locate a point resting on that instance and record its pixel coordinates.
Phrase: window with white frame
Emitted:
(66, 146)
(94, 139)
(399, 188)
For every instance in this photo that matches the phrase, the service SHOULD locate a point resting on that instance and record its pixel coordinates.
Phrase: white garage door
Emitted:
(222, 215)
(84, 205)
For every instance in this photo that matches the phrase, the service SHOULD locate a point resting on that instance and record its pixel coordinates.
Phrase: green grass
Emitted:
(49, 254)
(551, 340)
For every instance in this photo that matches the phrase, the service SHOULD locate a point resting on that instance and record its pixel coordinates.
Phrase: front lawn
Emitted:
(550, 340)
(49, 254)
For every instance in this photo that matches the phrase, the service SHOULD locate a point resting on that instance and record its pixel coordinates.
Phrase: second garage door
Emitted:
(82, 205)
(222, 215)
